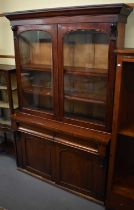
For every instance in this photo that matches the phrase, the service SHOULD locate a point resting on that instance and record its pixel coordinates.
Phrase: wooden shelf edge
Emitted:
(127, 131)
(5, 122)
(34, 67)
(131, 5)
(86, 100)
(124, 191)
(81, 71)
(4, 105)
(125, 51)
(7, 56)
(3, 87)
(7, 67)
(41, 93)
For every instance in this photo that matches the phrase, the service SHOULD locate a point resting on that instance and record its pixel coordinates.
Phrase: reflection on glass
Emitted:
(37, 90)
(86, 87)
(83, 110)
(85, 74)
(36, 75)
(35, 48)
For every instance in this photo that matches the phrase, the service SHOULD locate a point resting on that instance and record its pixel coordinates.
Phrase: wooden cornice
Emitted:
(129, 4)
(116, 9)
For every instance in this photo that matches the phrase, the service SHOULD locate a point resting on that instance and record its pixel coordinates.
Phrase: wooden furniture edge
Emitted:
(7, 56)
(68, 129)
(118, 8)
(2, 15)
(7, 67)
(125, 51)
(131, 5)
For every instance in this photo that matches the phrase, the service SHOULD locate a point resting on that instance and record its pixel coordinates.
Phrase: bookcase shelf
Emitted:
(8, 93)
(37, 67)
(127, 131)
(3, 87)
(85, 100)
(44, 92)
(126, 188)
(81, 71)
(5, 122)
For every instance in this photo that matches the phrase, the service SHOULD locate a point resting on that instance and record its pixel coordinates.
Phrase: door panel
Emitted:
(38, 155)
(80, 171)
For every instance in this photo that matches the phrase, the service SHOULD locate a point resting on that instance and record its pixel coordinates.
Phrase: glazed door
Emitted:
(85, 73)
(38, 69)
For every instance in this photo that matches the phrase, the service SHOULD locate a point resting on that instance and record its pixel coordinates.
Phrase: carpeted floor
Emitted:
(19, 191)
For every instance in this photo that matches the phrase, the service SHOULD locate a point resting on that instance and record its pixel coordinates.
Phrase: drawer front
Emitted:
(89, 145)
(37, 155)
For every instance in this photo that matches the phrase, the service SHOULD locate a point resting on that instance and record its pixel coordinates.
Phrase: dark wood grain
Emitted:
(120, 188)
(81, 10)
(72, 152)
(42, 150)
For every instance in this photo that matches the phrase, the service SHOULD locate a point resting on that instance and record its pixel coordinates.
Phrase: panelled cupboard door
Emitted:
(85, 71)
(37, 155)
(80, 171)
(37, 69)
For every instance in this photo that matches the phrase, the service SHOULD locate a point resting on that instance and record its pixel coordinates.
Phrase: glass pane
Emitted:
(37, 90)
(4, 101)
(84, 111)
(85, 74)
(14, 90)
(35, 48)
(36, 75)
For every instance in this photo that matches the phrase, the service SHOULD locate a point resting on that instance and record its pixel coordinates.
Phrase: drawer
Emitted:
(89, 145)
